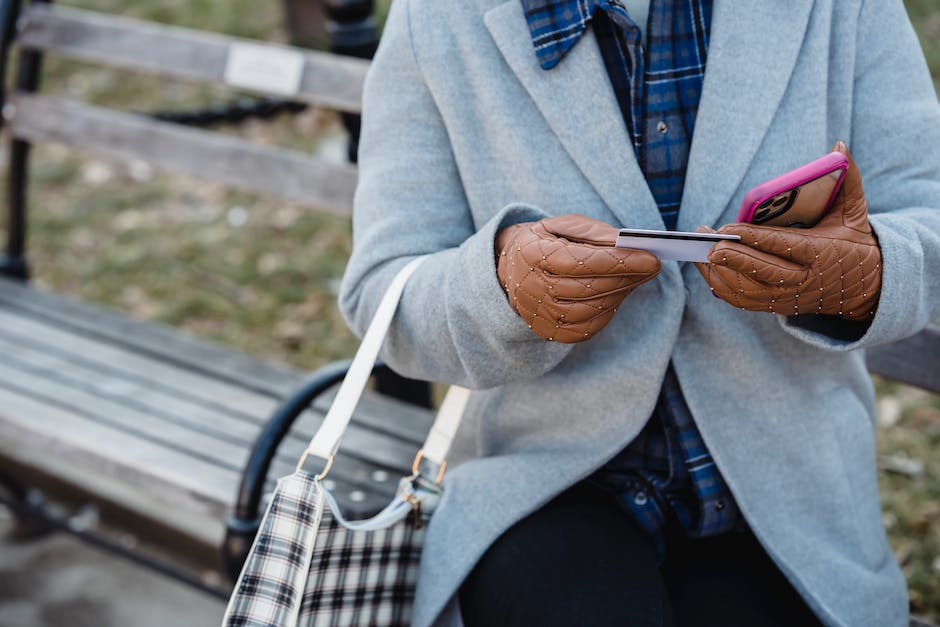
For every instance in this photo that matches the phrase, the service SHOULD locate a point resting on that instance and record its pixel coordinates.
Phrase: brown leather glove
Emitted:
(832, 268)
(564, 277)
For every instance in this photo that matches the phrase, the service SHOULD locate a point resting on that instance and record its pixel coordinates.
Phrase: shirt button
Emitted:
(662, 127)
(719, 505)
(640, 498)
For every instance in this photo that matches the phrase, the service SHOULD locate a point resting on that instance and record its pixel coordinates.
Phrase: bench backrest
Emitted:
(322, 79)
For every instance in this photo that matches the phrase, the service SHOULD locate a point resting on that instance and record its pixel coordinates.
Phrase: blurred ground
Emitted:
(261, 275)
(58, 581)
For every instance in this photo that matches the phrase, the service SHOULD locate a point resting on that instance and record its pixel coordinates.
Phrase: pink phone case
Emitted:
(792, 180)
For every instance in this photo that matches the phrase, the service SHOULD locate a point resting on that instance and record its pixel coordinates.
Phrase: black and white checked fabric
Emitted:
(310, 568)
(362, 577)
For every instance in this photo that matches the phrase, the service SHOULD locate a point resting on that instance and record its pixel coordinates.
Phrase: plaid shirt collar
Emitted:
(557, 25)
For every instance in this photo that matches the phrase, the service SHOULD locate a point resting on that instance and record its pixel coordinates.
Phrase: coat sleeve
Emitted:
(454, 323)
(896, 143)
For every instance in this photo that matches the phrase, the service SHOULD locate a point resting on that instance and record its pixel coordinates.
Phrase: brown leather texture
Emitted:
(564, 277)
(832, 268)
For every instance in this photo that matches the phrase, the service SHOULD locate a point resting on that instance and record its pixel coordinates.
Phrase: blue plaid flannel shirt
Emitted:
(667, 470)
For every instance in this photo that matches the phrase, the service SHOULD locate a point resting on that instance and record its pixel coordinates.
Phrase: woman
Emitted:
(483, 119)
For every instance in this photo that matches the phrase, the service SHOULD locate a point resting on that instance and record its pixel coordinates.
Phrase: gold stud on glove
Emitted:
(832, 268)
(564, 277)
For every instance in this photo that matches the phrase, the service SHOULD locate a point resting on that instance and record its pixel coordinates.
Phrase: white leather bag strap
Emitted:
(326, 440)
(445, 425)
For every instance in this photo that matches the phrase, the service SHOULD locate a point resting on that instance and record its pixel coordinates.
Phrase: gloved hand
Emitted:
(831, 268)
(564, 277)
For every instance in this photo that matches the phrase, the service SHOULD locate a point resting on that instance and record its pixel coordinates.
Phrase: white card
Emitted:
(672, 245)
(263, 68)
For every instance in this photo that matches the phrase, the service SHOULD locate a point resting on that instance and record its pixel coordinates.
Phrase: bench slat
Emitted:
(50, 397)
(195, 385)
(914, 360)
(153, 391)
(119, 387)
(120, 406)
(170, 346)
(330, 80)
(159, 340)
(51, 439)
(142, 403)
(149, 403)
(50, 430)
(227, 159)
(50, 390)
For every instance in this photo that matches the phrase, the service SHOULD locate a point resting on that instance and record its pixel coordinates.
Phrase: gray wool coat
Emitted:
(463, 134)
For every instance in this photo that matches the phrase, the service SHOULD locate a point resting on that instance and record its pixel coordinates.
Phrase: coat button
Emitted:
(640, 498)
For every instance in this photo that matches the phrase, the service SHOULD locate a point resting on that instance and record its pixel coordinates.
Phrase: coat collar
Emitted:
(752, 52)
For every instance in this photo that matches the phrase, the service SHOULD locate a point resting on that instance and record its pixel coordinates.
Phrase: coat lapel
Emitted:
(578, 103)
(752, 52)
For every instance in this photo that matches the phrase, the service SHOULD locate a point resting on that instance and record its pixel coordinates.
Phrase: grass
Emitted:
(925, 14)
(255, 273)
(261, 275)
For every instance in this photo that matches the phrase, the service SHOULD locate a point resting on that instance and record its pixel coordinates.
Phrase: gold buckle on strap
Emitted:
(323, 473)
(417, 462)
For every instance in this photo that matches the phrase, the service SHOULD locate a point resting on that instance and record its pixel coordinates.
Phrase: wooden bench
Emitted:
(154, 426)
(160, 430)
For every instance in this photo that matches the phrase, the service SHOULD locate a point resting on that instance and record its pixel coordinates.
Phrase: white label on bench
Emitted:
(264, 68)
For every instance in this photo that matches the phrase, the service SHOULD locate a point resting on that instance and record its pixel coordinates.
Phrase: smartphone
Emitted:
(799, 198)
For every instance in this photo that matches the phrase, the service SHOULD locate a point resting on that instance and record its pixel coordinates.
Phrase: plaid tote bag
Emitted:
(308, 565)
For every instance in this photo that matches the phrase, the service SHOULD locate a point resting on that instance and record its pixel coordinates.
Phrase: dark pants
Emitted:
(581, 560)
